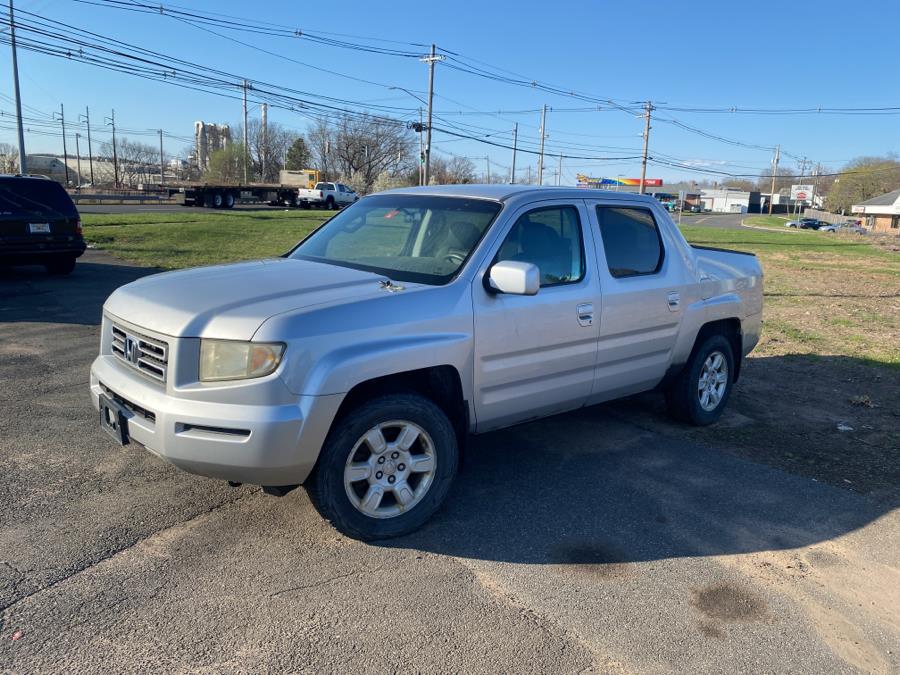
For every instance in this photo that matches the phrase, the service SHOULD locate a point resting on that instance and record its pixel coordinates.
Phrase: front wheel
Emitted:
(699, 393)
(386, 467)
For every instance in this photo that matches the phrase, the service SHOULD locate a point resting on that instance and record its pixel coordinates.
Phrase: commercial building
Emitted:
(730, 200)
(880, 214)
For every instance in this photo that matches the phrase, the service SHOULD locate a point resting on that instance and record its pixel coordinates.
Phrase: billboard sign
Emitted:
(592, 182)
(802, 193)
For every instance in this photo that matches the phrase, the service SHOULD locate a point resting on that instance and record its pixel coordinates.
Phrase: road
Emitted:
(726, 220)
(588, 542)
(163, 208)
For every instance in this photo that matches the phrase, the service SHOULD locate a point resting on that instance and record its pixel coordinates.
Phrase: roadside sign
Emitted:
(801, 193)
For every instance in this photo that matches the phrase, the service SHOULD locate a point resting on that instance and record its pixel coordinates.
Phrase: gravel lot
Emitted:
(590, 542)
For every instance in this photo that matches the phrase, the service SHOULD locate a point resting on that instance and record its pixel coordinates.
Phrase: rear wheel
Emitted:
(386, 467)
(228, 200)
(330, 204)
(60, 266)
(699, 393)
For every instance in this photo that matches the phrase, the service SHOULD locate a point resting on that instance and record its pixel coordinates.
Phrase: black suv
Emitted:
(39, 224)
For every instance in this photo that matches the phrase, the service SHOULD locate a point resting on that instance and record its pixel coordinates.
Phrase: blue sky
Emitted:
(688, 54)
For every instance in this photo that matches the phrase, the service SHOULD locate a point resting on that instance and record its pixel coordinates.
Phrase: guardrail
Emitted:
(97, 198)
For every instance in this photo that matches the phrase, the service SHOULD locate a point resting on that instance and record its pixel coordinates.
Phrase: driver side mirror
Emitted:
(515, 278)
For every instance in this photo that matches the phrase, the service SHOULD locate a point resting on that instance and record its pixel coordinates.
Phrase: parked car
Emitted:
(326, 195)
(792, 223)
(811, 223)
(39, 224)
(360, 362)
(850, 226)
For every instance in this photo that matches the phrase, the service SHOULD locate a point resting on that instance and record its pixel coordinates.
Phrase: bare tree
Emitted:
(359, 148)
(268, 148)
(136, 160)
(452, 170)
(9, 158)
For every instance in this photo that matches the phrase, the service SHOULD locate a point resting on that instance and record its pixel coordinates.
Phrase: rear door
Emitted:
(644, 287)
(534, 355)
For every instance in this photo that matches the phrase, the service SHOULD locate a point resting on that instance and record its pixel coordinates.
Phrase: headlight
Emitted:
(233, 360)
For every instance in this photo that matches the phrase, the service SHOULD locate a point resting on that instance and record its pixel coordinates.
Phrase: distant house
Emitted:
(882, 213)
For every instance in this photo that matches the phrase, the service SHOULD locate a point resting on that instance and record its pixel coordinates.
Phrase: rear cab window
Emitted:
(631, 240)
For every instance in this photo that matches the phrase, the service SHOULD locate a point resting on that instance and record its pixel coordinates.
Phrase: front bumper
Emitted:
(246, 443)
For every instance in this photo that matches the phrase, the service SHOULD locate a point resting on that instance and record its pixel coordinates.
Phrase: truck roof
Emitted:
(502, 192)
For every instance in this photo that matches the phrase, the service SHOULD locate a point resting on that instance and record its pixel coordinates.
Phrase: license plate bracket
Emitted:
(39, 228)
(114, 420)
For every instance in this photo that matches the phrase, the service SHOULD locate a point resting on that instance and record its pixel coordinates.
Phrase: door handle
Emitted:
(585, 313)
(674, 300)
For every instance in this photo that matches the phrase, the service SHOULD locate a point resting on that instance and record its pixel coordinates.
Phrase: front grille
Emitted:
(145, 354)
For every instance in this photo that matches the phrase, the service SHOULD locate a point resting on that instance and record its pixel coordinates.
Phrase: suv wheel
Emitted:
(386, 467)
(60, 266)
(330, 204)
(699, 393)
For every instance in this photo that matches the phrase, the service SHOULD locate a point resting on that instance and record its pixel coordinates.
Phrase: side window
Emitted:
(551, 239)
(631, 241)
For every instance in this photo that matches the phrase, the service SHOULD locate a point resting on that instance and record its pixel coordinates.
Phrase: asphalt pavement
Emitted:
(580, 543)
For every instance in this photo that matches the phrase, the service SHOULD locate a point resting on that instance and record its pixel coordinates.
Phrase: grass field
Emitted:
(767, 221)
(834, 294)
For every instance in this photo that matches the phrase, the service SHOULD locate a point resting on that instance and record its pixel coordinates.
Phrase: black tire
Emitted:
(228, 200)
(326, 486)
(682, 395)
(60, 266)
(330, 204)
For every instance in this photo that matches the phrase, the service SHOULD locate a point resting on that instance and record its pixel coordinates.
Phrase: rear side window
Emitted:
(34, 197)
(631, 241)
(551, 239)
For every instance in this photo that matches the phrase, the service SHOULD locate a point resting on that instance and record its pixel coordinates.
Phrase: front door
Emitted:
(535, 355)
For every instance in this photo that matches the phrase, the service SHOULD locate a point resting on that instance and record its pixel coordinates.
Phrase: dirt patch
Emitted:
(728, 603)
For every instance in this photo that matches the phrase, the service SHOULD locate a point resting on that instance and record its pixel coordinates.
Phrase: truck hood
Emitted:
(232, 301)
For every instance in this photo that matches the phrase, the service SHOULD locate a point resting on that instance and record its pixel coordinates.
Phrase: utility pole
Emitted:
(87, 123)
(265, 139)
(815, 184)
(162, 170)
(421, 148)
(648, 109)
(112, 122)
(246, 149)
(543, 136)
(430, 60)
(488, 160)
(774, 174)
(62, 119)
(559, 171)
(528, 175)
(23, 162)
(78, 158)
(512, 171)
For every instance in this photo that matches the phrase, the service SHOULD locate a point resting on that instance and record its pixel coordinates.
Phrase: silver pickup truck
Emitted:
(359, 363)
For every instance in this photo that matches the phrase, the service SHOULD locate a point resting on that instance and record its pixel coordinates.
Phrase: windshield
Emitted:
(413, 238)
